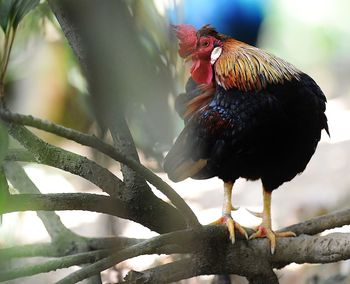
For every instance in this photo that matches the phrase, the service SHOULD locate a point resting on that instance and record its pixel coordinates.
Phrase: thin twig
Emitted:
(94, 142)
(59, 158)
(20, 180)
(63, 261)
(123, 141)
(146, 247)
(51, 265)
(58, 248)
(20, 155)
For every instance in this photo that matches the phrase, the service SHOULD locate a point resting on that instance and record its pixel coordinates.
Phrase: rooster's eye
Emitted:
(205, 43)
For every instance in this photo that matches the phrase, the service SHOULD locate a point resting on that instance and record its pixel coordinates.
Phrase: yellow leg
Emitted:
(265, 229)
(227, 205)
(226, 214)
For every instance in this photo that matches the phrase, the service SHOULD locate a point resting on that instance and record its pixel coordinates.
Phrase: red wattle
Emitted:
(202, 72)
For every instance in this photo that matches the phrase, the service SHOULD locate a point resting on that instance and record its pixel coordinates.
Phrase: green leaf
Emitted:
(22, 8)
(4, 141)
(13, 11)
(5, 10)
(4, 190)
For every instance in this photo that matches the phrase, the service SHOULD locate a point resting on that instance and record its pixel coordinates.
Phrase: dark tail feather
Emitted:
(178, 164)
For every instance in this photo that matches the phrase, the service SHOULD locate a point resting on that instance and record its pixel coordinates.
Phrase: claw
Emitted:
(263, 232)
(234, 208)
(286, 234)
(231, 226)
(256, 214)
(241, 230)
(231, 229)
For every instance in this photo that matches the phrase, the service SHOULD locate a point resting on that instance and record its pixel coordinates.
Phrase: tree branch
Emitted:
(214, 254)
(58, 232)
(123, 141)
(321, 223)
(32, 250)
(57, 249)
(146, 247)
(23, 184)
(211, 244)
(53, 156)
(65, 261)
(56, 157)
(184, 269)
(66, 201)
(20, 155)
(109, 205)
(94, 142)
(51, 265)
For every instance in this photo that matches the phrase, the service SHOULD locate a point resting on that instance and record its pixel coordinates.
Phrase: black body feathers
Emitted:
(269, 134)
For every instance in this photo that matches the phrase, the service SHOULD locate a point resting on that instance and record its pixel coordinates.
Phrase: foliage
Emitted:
(13, 11)
(11, 14)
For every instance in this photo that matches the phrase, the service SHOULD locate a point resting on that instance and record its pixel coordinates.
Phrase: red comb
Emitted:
(187, 36)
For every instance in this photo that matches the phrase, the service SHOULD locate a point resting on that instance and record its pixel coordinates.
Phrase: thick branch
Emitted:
(321, 223)
(184, 269)
(65, 201)
(312, 249)
(215, 254)
(117, 243)
(170, 272)
(32, 250)
(93, 141)
(108, 205)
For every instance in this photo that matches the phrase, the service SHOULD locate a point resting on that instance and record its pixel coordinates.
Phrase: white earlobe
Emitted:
(215, 54)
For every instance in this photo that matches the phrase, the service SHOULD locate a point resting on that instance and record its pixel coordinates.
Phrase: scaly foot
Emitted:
(266, 232)
(231, 226)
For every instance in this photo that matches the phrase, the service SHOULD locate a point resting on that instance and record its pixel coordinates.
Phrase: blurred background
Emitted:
(45, 80)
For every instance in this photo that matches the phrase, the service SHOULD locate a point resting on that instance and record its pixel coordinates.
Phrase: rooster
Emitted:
(247, 114)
